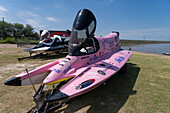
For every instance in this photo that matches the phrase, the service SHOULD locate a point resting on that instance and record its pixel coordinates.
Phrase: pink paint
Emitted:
(79, 67)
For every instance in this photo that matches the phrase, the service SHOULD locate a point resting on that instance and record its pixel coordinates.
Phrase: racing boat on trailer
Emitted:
(49, 44)
(91, 61)
(166, 54)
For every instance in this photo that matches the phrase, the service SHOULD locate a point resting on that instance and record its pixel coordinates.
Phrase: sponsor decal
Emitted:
(65, 71)
(122, 53)
(109, 67)
(90, 59)
(73, 61)
(109, 41)
(100, 54)
(85, 57)
(69, 64)
(85, 84)
(125, 54)
(101, 72)
(64, 61)
(92, 73)
(47, 78)
(56, 70)
(119, 59)
(93, 58)
(94, 76)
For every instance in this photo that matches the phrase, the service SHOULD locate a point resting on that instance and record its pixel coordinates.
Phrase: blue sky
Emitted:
(134, 19)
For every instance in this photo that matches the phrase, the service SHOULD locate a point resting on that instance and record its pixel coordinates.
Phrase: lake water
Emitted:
(150, 48)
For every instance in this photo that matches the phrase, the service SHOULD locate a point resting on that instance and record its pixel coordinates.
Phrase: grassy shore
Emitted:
(123, 42)
(144, 88)
(137, 42)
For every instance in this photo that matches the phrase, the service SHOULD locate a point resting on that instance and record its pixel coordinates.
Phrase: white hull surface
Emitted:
(35, 79)
(40, 50)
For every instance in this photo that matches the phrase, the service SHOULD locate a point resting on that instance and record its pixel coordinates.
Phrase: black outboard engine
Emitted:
(83, 29)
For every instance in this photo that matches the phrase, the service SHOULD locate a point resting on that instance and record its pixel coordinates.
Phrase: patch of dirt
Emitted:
(8, 45)
(84, 109)
(163, 76)
(16, 67)
(154, 84)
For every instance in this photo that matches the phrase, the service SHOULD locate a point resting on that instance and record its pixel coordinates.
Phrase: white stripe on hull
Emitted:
(35, 79)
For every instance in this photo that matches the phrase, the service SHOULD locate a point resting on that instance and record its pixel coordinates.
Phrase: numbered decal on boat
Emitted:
(56, 70)
(119, 59)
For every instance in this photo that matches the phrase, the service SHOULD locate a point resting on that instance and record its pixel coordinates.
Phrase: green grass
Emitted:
(11, 40)
(144, 88)
(152, 85)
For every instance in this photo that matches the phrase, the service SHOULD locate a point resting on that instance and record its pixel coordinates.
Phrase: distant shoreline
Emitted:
(123, 42)
(139, 42)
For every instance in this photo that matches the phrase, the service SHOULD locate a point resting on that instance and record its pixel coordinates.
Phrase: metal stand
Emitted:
(45, 107)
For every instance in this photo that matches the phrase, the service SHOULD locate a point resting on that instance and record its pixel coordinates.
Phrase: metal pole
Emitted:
(30, 80)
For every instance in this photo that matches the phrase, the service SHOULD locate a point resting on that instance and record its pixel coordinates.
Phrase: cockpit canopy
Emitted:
(82, 33)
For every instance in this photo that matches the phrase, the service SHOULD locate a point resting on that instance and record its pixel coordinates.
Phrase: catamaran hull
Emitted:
(96, 75)
(167, 54)
(36, 75)
(45, 49)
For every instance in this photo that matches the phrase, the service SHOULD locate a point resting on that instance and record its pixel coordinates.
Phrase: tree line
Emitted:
(16, 30)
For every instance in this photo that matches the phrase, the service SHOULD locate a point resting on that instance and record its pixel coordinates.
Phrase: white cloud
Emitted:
(34, 23)
(52, 19)
(26, 14)
(30, 18)
(36, 8)
(31, 14)
(118, 5)
(57, 6)
(109, 1)
(2, 9)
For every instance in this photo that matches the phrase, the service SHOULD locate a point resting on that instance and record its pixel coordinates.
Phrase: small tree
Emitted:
(5, 29)
(28, 30)
(9, 29)
(18, 30)
(36, 35)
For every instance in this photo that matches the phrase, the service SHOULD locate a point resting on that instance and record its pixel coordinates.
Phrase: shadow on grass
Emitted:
(45, 57)
(108, 98)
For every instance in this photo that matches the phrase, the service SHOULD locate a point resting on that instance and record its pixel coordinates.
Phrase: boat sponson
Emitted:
(14, 81)
(57, 95)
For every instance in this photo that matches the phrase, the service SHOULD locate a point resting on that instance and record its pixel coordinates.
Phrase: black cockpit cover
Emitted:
(84, 27)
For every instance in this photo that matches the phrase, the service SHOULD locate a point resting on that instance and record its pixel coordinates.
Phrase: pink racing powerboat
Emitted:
(91, 61)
